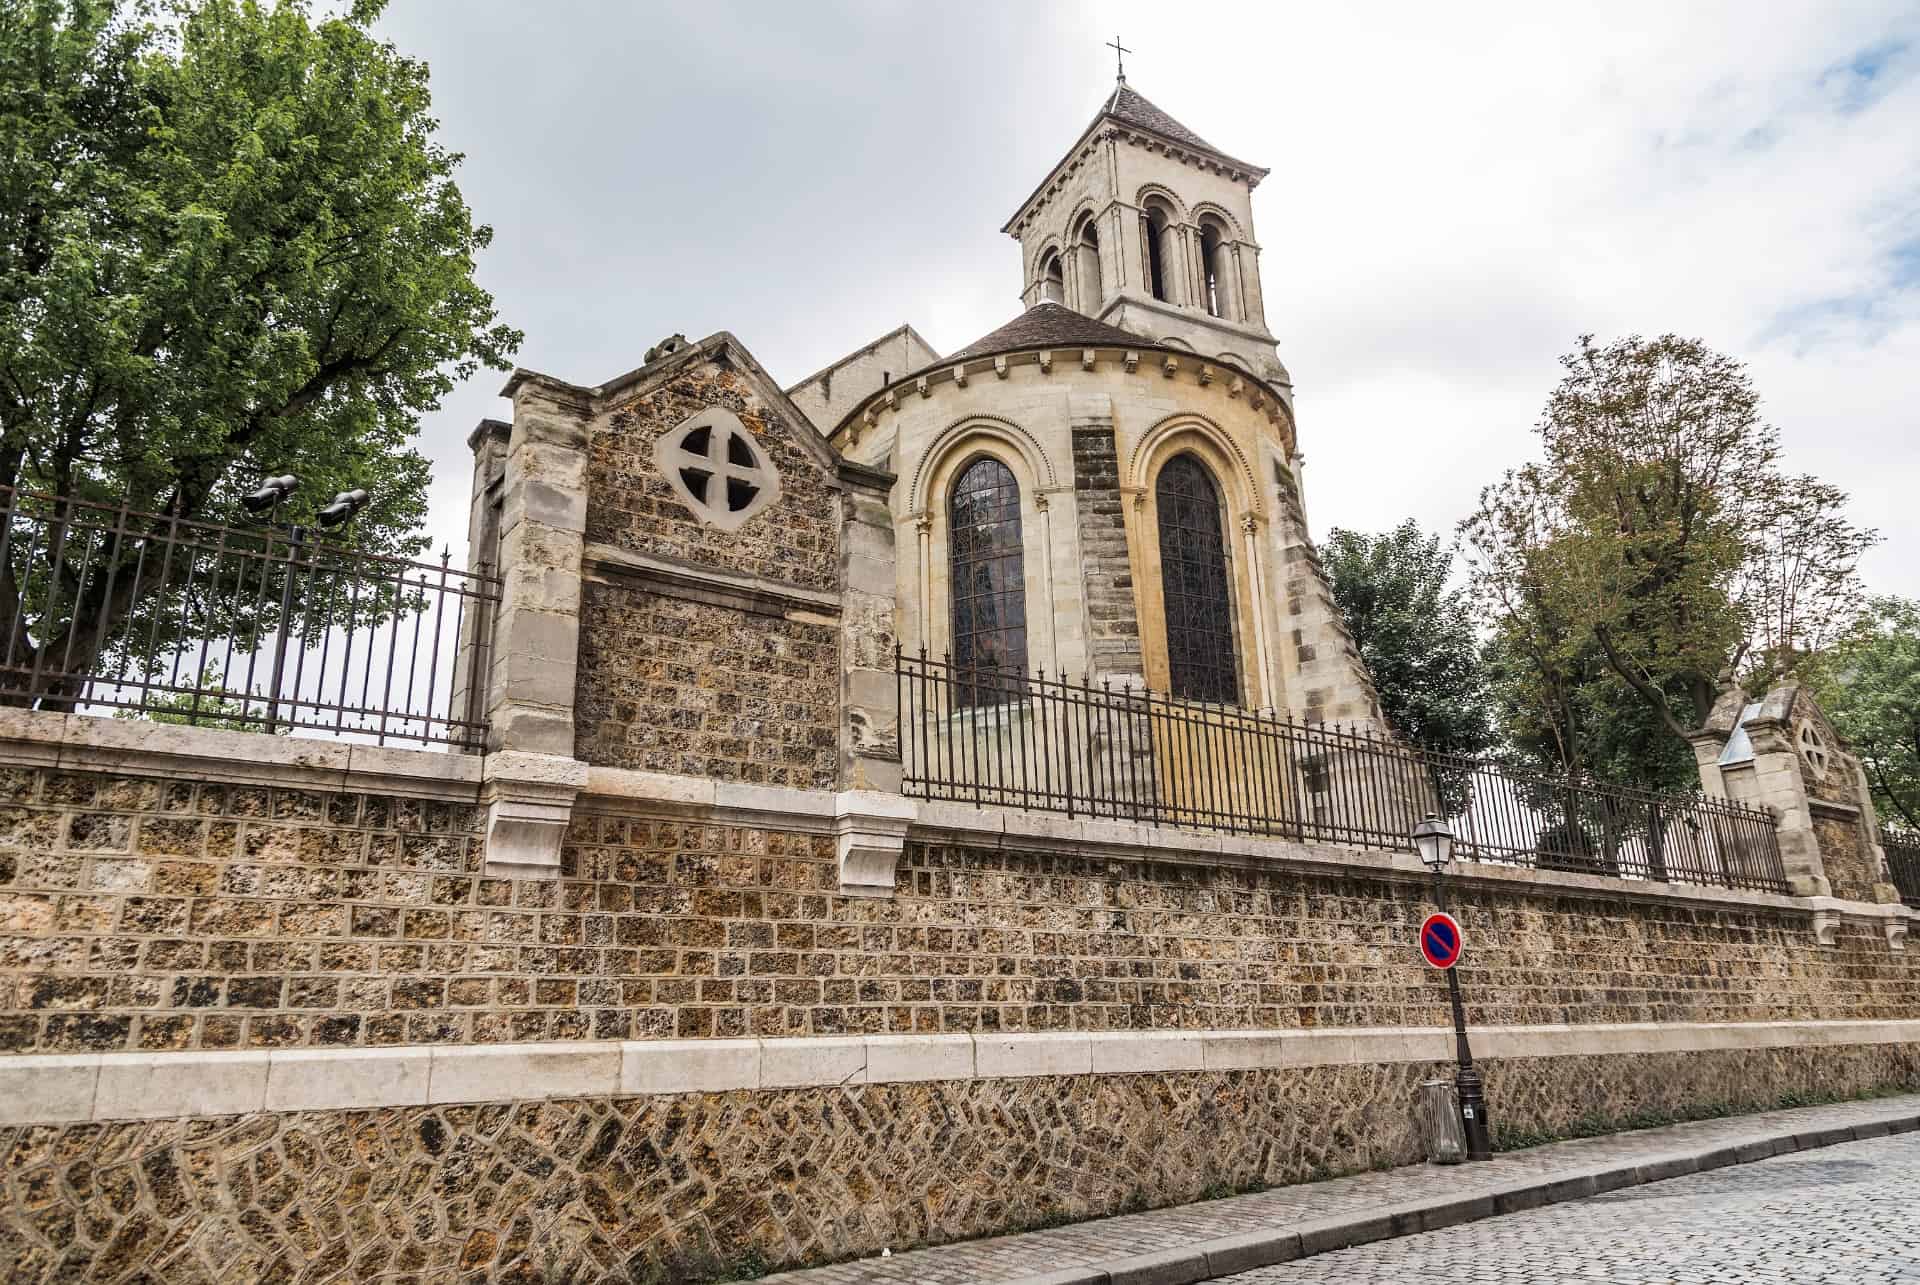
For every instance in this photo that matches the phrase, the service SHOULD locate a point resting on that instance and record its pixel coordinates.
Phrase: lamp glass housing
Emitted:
(1433, 840)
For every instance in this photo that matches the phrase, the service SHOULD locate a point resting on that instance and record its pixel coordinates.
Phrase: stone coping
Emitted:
(48, 1088)
(85, 742)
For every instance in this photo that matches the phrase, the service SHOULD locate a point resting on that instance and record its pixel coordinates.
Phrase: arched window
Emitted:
(1087, 246)
(1213, 289)
(1053, 285)
(988, 575)
(1193, 583)
(1155, 229)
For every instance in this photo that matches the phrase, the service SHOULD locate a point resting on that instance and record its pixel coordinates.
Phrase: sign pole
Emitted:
(1466, 1080)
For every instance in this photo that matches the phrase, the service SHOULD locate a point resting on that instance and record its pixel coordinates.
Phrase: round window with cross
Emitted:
(718, 469)
(1813, 748)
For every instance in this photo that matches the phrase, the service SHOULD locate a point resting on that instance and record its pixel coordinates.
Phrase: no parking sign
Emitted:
(1440, 939)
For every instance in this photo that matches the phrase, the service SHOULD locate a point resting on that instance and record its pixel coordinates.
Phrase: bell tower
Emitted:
(1146, 226)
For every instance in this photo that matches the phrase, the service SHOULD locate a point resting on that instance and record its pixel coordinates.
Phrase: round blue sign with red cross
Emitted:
(1440, 940)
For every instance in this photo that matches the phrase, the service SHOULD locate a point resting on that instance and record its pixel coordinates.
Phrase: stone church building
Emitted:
(1109, 484)
(929, 800)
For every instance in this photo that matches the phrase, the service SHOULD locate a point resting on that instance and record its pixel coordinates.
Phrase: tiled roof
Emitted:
(1130, 108)
(1049, 325)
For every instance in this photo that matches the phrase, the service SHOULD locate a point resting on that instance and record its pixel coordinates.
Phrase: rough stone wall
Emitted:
(145, 914)
(673, 685)
(1113, 626)
(704, 1185)
(794, 541)
(1846, 844)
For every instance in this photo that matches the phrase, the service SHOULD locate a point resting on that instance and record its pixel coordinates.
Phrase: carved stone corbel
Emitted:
(1826, 927)
(529, 800)
(870, 832)
(1897, 934)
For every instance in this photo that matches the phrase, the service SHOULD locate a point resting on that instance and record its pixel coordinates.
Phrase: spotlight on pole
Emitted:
(344, 506)
(271, 492)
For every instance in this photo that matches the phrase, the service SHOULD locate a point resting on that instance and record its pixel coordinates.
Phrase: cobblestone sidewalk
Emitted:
(1219, 1237)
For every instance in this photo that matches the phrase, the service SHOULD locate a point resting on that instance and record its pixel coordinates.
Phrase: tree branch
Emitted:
(1646, 690)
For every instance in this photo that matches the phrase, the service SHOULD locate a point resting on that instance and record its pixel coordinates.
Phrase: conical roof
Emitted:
(1132, 108)
(1048, 325)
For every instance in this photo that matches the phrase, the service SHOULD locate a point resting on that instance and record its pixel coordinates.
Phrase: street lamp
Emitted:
(1433, 840)
(267, 499)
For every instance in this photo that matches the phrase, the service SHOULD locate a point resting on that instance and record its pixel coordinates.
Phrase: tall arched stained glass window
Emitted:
(988, 574)
(1193, 583)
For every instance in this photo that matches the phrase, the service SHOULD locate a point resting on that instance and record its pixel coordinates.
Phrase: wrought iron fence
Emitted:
(1903, 862)
(1029, 741)
(270, 629)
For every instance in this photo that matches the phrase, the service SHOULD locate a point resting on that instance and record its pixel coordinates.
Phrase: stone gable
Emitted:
(631, 506)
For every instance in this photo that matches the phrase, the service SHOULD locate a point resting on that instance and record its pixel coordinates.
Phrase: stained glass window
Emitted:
(988, 577)
(1193, 582)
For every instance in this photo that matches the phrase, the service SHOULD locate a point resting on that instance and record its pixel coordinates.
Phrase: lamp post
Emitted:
(267, 499)
(1433, 840)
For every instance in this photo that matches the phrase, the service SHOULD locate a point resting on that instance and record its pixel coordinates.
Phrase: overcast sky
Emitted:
(1458, 191)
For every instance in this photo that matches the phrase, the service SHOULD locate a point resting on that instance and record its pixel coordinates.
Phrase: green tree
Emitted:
(1415, 634)
(1869, 684)
(229, 246)
(192, 709)
(1656, 545)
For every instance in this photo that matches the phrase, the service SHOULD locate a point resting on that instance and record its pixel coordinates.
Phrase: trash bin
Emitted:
(1440, 1127)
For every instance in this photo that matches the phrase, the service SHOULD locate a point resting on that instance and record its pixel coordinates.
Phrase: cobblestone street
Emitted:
(1841, 1213)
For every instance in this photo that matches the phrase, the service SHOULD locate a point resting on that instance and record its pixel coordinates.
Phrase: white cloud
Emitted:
(1456, 194)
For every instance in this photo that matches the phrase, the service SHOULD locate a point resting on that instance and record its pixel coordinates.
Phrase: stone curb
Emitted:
(1229, 1255)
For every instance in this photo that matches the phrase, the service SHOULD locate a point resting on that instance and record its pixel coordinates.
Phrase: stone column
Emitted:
(870, 816)
(488, 442)
(531, 775)
(1777, 784)
(869, 691)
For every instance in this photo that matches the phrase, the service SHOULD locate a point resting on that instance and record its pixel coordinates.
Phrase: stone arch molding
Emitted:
(1052, 245)
(1166, 194)
(1205, 208)
(710, 443)
(963, 434)
(1164, 440)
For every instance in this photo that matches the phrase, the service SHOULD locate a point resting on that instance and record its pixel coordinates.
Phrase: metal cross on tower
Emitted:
(1120, 53)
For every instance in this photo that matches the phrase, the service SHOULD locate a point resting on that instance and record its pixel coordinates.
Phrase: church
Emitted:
(1110, 483)
(924, 801)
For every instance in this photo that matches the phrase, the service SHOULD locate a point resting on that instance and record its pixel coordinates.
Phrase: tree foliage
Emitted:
(1869, 684)
(1415, 634)
(229, 247)
(1652, 555)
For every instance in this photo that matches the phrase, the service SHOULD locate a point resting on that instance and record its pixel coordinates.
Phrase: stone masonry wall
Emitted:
(630, 506)
(1113, 628)
(1846, 845)
(137, 913)
(672, 685)
(707, 1186)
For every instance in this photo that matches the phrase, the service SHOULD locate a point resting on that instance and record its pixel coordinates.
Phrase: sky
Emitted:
(1458, 192)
